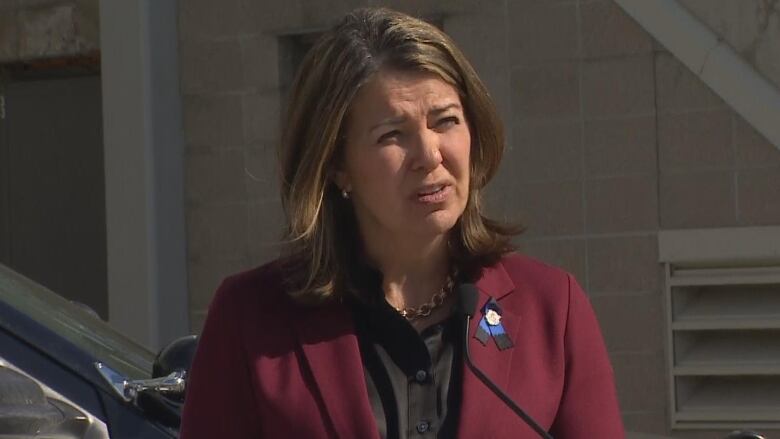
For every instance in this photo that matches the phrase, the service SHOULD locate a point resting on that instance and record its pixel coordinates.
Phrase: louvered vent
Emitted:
(723, 331)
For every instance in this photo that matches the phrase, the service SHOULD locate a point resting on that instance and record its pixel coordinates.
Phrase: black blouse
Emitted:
(413, 380)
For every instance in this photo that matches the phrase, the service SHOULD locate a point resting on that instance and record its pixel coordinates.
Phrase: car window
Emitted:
(75, 324)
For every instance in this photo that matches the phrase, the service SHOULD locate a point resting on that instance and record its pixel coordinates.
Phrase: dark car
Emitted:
(66, 374)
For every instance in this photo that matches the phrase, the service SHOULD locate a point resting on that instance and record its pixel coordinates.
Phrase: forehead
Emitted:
(390, 92)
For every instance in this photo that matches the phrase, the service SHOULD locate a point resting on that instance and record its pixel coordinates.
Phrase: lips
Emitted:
(430, 190)
(434, 193)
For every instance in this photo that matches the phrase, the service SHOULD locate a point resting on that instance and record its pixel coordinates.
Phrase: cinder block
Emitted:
(319, 14)
(500, 196)
(621, 204)
(208, 20)
(261, 117)
(569, 254)
(546, 151)
(697, 199)
(215, 176)
(47, 31)
(205, 275)
(498, 85)
(625, 146)
(679, 89)
(549, 208)
(640, 379)
(217, 232)
(275, 18)
(215, 121)
(9, 36)
(623, 264)
(211, 66)
(618, 87)
(695, 141)
(759, 196)
(608, 31)
(546, 91)
(266, 228)
(630, 322)
(753, 150)
(260, 67)
(262, 173)
(482, 36)
(542, 32)
(645, 422)
(197, 320)
(435, 10)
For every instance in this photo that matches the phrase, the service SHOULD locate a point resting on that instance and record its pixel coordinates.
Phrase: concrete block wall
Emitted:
(230, 90)
(34, 29)
(610, 140)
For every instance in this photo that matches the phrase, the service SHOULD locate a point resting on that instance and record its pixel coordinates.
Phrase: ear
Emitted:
(342, 181)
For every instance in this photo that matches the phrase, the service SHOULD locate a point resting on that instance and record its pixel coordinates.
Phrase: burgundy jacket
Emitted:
(269, 368)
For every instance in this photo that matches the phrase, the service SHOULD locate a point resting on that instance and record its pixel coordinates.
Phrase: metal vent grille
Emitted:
(724, 336)
(723, 327)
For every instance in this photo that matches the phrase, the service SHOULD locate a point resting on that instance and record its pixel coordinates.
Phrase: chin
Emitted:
(439, 223)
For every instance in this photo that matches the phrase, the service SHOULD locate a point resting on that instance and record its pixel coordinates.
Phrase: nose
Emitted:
(428, 151)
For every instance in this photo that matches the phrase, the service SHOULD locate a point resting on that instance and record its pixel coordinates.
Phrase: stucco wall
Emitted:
(33, 29)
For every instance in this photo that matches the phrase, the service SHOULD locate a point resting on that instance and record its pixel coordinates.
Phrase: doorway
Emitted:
(52, 190)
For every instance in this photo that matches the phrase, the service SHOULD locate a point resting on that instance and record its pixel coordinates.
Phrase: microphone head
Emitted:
(467, 299)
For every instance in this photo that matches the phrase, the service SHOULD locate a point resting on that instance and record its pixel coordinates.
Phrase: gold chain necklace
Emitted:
(424, 310)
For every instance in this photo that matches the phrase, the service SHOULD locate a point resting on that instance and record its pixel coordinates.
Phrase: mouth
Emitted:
(434, 193)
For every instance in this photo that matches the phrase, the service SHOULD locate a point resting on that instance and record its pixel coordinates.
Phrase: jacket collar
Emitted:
(330, 345)
(327, 336)
(478, 401)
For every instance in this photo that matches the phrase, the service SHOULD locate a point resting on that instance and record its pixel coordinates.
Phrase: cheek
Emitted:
(376, 171)
(460, 153)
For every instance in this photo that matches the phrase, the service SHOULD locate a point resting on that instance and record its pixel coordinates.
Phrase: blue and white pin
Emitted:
(491, 327)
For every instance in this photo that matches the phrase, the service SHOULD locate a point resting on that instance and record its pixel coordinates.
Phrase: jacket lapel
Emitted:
(479, 401)
(329, 343)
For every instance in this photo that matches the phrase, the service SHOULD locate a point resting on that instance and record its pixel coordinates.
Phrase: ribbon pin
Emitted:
(490, 326)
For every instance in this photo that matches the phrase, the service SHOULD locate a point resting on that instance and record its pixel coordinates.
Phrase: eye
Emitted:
(388, 136)
(448, 122)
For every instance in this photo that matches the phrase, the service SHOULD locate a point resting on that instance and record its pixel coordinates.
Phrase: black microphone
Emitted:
(467, 305)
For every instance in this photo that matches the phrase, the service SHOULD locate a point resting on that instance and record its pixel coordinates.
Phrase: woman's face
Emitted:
(406, 158)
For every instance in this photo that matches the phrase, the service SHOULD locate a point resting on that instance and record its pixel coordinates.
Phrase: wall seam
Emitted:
(583, 152)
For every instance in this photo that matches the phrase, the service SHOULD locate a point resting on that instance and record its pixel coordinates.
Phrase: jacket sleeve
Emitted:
(219, 398)
(589, 407)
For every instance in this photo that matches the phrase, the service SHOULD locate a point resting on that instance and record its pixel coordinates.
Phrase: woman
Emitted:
(389, 140)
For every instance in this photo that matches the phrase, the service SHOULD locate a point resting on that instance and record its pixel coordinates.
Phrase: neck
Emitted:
(412, 270)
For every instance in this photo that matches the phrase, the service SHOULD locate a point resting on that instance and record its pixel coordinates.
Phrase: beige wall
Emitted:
(610, 140)
(31, 29)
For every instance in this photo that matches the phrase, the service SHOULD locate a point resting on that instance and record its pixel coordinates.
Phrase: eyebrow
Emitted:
(389, 121)
(400, 119)
(438, 110)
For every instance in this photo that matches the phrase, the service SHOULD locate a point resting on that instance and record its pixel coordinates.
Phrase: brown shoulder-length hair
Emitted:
(322, 235)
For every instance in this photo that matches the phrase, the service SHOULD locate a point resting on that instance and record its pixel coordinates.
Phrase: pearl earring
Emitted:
(344, 194)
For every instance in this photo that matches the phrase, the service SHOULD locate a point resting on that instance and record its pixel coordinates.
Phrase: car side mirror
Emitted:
(175, 357)
(162, 396)
(169, 373)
